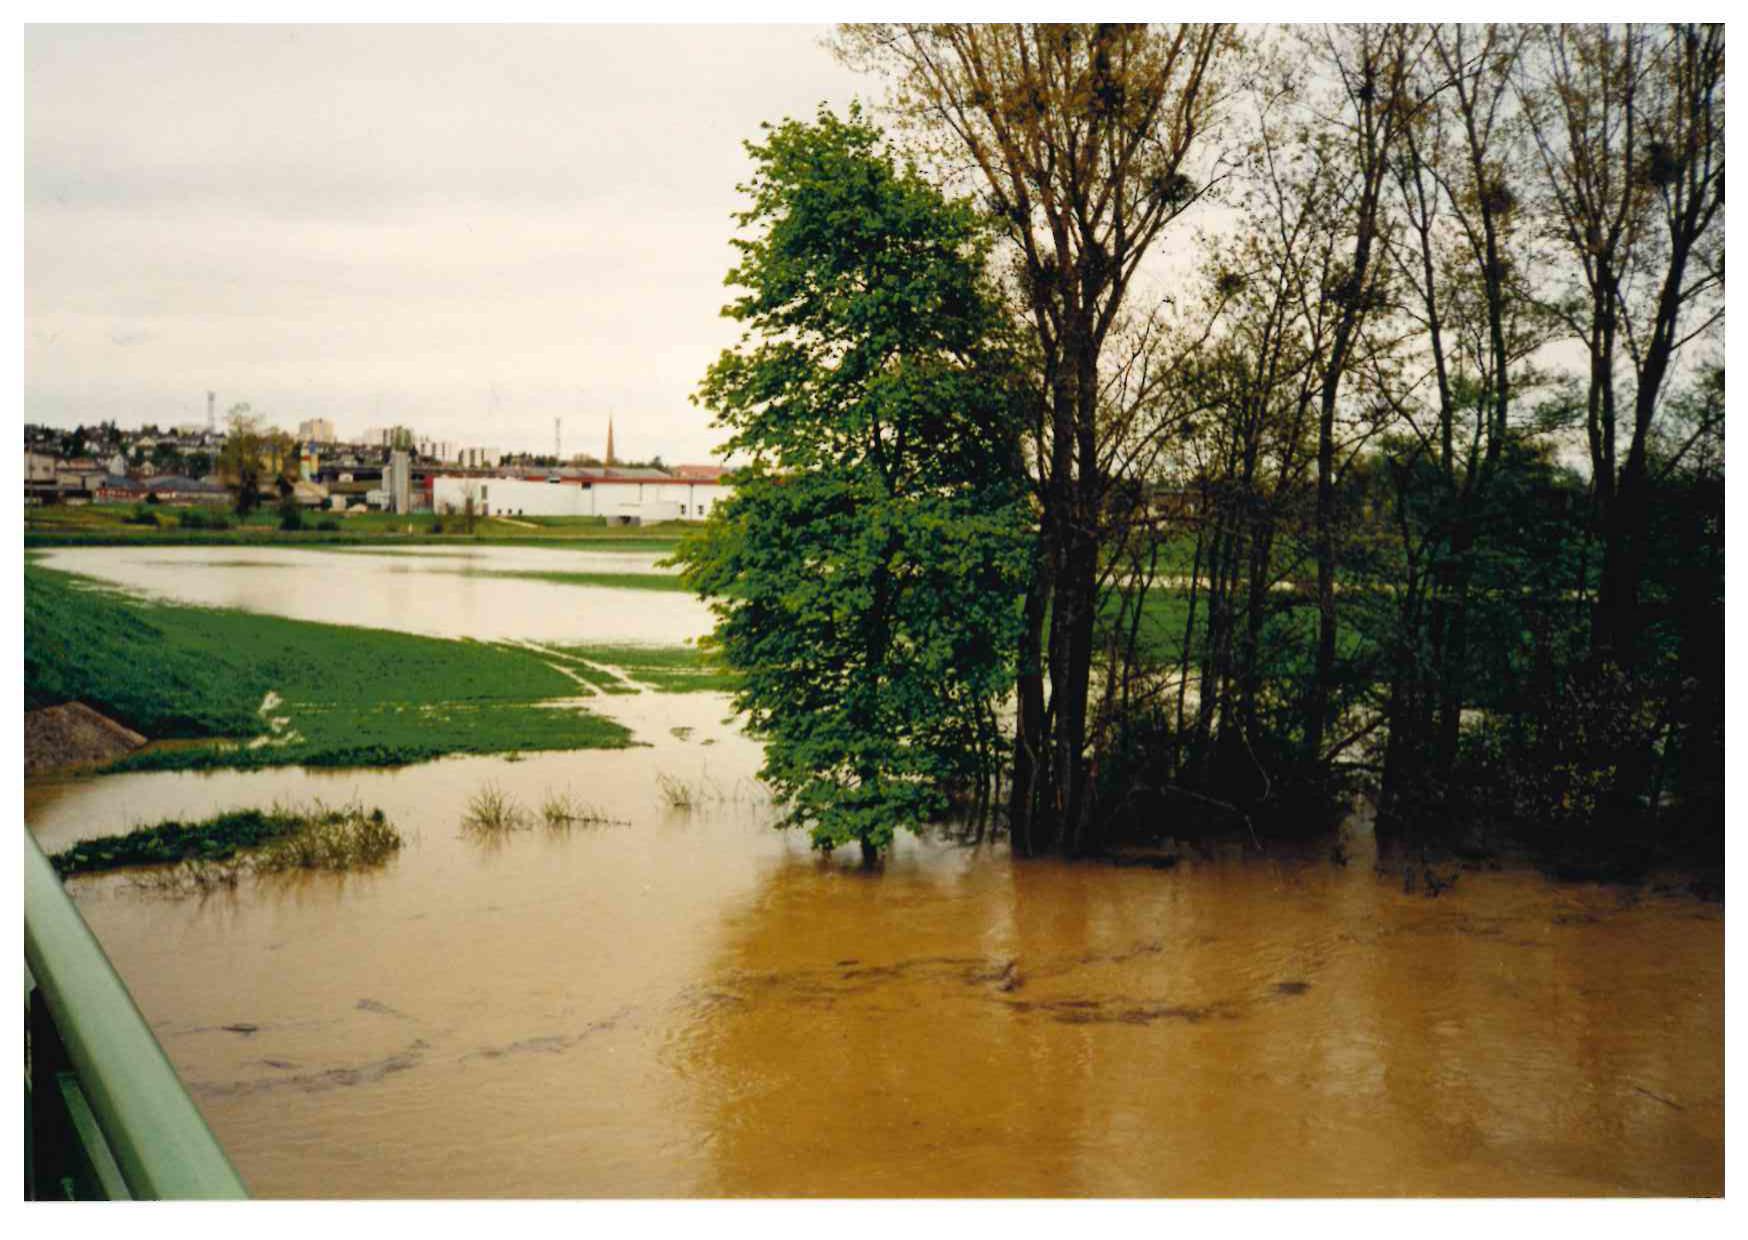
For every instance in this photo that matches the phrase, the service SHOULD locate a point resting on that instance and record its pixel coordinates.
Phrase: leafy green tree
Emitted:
(867, 573)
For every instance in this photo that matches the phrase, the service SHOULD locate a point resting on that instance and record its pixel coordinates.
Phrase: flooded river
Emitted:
(691, 1003)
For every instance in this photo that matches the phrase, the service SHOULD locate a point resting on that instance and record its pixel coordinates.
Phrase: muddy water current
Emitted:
(688, 1002)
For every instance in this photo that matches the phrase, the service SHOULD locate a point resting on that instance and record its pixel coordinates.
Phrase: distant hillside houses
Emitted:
(163, 489)
(390, 468)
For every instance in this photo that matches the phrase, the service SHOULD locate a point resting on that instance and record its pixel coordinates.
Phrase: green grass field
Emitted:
(668, 582)
(1160, 634)
(110, 524)
(346, 696)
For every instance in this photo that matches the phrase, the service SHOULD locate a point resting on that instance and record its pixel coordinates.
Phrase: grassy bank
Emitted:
(340, 696)
(131, 525)
(668, 582)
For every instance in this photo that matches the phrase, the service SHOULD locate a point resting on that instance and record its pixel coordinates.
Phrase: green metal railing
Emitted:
(105, 1115)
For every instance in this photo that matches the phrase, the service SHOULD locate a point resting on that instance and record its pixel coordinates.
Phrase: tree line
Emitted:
(1180, 427)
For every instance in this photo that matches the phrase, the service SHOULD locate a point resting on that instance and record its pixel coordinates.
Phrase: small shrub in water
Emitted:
(334, 840)
(564, 809)
(492, 810)
(676, 793)
(689, 794)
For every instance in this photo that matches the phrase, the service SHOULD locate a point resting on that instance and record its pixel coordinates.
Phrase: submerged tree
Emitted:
(1628, 122)
(1629, 125)
(867, 572)
(1084, 139)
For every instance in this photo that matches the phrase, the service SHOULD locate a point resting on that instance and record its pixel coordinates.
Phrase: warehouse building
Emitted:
(617, 495)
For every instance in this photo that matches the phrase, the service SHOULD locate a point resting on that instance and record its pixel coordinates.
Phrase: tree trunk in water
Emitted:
(1453, 649)
(1023, 796)
(1255, 613)
(1401, 746)
(1076, 599)
(1617, 634)
(1324, 672)
(1614, 622)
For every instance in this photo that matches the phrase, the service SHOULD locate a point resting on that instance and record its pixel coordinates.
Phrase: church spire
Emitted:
(609, 439)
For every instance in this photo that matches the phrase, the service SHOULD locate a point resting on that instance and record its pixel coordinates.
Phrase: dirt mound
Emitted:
(73, 735)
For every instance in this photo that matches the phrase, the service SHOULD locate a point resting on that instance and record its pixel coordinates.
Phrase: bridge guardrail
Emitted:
(106, 1116)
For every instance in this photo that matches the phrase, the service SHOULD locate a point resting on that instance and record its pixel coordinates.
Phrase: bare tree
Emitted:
(1629, 127)
(1374, 102)
(1083, 137)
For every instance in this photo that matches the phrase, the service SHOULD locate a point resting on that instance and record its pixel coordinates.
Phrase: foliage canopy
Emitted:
(867, 571)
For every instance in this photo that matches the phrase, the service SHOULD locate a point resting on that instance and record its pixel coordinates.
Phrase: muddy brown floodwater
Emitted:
(691, 1003)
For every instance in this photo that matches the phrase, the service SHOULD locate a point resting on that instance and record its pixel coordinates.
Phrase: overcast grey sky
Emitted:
(395, 224)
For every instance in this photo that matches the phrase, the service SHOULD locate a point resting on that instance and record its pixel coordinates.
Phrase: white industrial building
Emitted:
(644, 501)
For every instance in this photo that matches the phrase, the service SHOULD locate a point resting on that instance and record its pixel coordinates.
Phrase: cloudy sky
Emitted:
(470, 231)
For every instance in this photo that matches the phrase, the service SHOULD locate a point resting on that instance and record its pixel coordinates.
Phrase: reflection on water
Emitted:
(694, 1004)
(415, 593)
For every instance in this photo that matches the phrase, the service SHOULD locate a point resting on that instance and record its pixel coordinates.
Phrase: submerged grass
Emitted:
(349, 696)
(354, 840)
(690, 794)
(679, 794)
(492, 811)
(561, 810)
(189, 878)
(213, 851)
(596, 677)
(666, 669)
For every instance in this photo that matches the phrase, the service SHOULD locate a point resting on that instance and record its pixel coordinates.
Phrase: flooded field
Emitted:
(687, 1002)
(437, 591)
